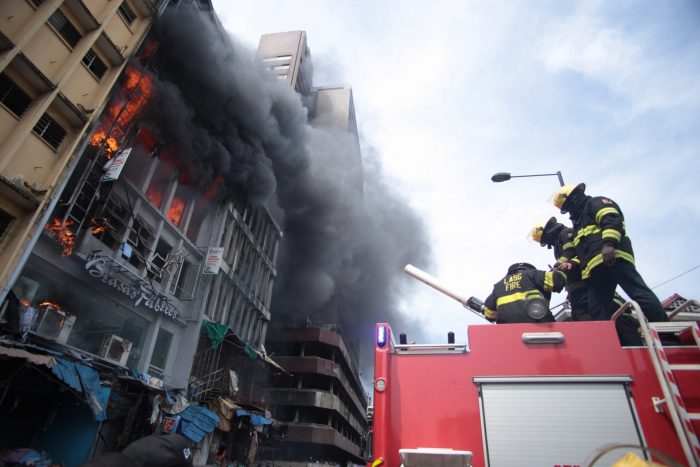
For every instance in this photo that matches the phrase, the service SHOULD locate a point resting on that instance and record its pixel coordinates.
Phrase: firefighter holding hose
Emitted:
(522, 296)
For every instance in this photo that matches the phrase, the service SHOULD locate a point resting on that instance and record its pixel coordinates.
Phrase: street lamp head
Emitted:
(500, 177)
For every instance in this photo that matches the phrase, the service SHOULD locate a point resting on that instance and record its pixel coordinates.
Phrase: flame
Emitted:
(47, 303)
(177, 207)
(98, 225)
(25, 302)
(60, 232)
(147, 50)
(154, 196)
(138, 86)
(209, 194)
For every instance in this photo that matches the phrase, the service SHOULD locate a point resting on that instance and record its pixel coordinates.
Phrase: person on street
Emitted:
(522, 296)
(604, 253)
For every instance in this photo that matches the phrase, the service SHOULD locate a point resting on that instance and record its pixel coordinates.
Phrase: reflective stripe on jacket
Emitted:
(600, 221)
(507, 301)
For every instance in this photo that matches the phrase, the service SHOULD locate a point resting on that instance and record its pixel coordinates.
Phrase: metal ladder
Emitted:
(672, 401)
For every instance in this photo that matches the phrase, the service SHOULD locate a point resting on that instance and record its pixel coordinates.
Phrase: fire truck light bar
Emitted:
(381, 336)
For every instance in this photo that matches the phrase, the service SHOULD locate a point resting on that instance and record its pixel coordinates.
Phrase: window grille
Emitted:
(127, 13)
(94, 64)
(12, 97)
(64, 27)
(50, 131)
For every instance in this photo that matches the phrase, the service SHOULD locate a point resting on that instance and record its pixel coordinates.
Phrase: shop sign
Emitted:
(213, 261)
(115, 165)
(141, 294)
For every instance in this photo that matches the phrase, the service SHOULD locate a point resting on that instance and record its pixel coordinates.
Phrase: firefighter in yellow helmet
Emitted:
(553, 234)
(604, 253)
(522, 296)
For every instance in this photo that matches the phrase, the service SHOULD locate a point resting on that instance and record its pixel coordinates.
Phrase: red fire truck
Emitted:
(550, 394)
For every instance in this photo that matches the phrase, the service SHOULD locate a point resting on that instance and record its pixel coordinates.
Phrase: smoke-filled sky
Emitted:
(451, 92)
(344, 244)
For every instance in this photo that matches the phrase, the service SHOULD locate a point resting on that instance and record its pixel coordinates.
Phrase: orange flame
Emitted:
(98, 225)
(177, 207)
(25, 302)
(138, 87)
(60, 232)
(154, 196)
(209, 194)
(49, 303)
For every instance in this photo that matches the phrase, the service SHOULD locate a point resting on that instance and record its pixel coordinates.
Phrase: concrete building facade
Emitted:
(323, 403)
(58, 62)
(286, 56)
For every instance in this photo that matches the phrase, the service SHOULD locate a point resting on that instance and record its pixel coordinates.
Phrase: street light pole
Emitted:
(505, 176)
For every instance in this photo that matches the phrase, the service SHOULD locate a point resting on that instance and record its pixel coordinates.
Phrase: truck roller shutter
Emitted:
(555, 423)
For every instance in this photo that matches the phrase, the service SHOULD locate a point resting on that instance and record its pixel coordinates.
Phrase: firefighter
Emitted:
(604, 253)
(553, 234)
(522, 296)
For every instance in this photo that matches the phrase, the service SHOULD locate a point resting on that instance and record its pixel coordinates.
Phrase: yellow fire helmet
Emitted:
(539, 229)
(562, 195)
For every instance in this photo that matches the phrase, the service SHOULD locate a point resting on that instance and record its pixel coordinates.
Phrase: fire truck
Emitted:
(538, 394)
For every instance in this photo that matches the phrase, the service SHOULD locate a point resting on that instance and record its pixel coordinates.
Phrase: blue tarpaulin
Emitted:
(84, 379)
(196, 421)
(255, 419)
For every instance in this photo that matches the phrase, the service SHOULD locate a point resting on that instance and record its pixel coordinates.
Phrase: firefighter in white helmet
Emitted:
(604, 253)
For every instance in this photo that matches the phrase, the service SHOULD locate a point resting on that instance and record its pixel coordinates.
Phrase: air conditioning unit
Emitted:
(53, 323)
(115, 349)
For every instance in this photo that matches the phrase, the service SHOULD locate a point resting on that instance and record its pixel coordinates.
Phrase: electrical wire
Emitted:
(676, 277)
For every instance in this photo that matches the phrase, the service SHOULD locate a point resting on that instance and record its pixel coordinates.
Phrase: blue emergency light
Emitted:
(381, 336)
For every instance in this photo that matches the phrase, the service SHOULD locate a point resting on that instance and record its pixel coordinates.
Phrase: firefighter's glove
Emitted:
(608, 253)
(566, 266)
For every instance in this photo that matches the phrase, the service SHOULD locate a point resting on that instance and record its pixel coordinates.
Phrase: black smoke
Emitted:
(345, 242)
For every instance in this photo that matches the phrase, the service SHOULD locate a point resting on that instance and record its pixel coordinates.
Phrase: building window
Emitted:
(127, 13)
(5, 223)
(94, 64)
(159, 357)
(183, 283)
(64, 27)
(50, 131)
(12, 97)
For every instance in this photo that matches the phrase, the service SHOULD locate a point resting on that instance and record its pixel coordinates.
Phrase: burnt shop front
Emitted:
(95, 304)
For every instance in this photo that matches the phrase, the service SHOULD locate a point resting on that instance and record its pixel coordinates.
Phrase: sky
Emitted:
(448, 93)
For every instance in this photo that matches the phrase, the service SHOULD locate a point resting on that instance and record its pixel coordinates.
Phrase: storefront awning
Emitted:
(81, 378)
(217, 333)
(255, 419)
(36, 359)
(197, 421)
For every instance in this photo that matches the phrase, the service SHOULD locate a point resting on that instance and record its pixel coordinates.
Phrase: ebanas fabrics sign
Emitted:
(142, 295)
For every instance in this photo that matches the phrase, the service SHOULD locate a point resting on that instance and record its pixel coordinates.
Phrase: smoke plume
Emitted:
(346, 240)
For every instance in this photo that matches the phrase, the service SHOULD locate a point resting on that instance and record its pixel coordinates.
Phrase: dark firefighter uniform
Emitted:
(561, 238)
(510, 296)
(599, 230)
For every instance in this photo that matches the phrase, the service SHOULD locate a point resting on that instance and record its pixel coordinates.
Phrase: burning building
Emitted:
(59, 60)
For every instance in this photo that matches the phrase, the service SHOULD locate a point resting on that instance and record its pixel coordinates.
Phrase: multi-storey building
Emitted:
(118, 280)
(286, 56)
(324, 402)
(58, 62)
